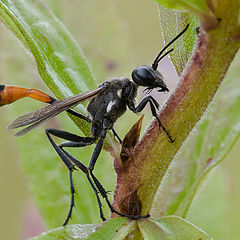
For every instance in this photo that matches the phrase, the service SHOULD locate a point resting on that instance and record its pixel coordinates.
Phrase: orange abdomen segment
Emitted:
(10, 94)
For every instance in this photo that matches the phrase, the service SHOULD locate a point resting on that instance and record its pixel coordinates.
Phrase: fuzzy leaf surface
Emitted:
(116, 228)
(172, 22)
(199, 8)
(61, 63)
(171, 227)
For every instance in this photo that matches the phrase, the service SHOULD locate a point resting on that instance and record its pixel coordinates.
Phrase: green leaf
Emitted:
(198, 7)
(116, 228)
(182, 4)
(69, 232)
(165, 228)
(205, 148)
(60, 62)
(172, 22)
(171, 227)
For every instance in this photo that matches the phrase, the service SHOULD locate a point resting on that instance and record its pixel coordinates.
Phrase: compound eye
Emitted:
(143, 76)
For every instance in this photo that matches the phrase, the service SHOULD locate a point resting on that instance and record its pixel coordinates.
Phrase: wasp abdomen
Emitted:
(10, 94)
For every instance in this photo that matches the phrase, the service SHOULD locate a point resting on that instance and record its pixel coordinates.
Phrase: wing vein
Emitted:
(42, 115)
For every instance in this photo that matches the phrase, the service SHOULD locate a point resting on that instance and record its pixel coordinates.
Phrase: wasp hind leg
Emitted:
(70, 162)
(84, 168)
(78, 142)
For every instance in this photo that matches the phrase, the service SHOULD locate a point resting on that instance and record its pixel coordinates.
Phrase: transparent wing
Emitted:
(42, 115)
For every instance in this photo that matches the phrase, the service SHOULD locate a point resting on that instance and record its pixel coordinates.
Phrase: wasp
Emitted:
(108, 102)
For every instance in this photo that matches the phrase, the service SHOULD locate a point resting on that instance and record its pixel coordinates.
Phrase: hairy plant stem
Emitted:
(213, 54)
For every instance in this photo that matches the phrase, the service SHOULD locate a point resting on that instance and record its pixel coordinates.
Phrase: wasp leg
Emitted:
(85, 170)
(70, 167)
(65, 159)
(103, 192)
(88, 170)
(76, 141)
(116, 136)
(81, 166)
(79, 115)
(104, 195)
(153, 104)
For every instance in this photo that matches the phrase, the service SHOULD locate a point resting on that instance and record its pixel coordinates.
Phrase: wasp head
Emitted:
(148, 77)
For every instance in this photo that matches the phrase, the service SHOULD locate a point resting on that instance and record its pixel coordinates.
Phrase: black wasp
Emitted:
(109, 101)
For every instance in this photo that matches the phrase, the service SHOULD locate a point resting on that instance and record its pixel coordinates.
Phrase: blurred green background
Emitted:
(116, 36)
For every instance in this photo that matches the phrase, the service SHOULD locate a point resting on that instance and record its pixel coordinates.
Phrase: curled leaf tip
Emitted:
(130, 141)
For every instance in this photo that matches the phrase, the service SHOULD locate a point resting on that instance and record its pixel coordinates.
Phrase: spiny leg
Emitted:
(72, 196)
(104, 195)
(99, 186)
(153, 110)
(77, 141)
(97, 150)
(65, 159)
(95, 181)
(81, 166)
(153, 104)
(70, 167)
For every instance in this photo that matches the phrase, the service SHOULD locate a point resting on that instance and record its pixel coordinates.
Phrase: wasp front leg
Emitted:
(153, 105)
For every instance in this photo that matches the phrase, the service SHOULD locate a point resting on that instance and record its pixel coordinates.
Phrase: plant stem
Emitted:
(213, 54)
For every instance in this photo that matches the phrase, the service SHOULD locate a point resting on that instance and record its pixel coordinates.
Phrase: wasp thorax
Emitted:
(147, 77)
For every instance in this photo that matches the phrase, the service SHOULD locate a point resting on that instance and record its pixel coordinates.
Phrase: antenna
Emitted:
(158, 58)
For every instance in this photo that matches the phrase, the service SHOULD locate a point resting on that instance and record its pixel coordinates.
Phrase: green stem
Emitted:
(213, 54)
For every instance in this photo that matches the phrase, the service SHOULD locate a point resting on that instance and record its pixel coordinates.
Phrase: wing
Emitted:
(42, 115)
